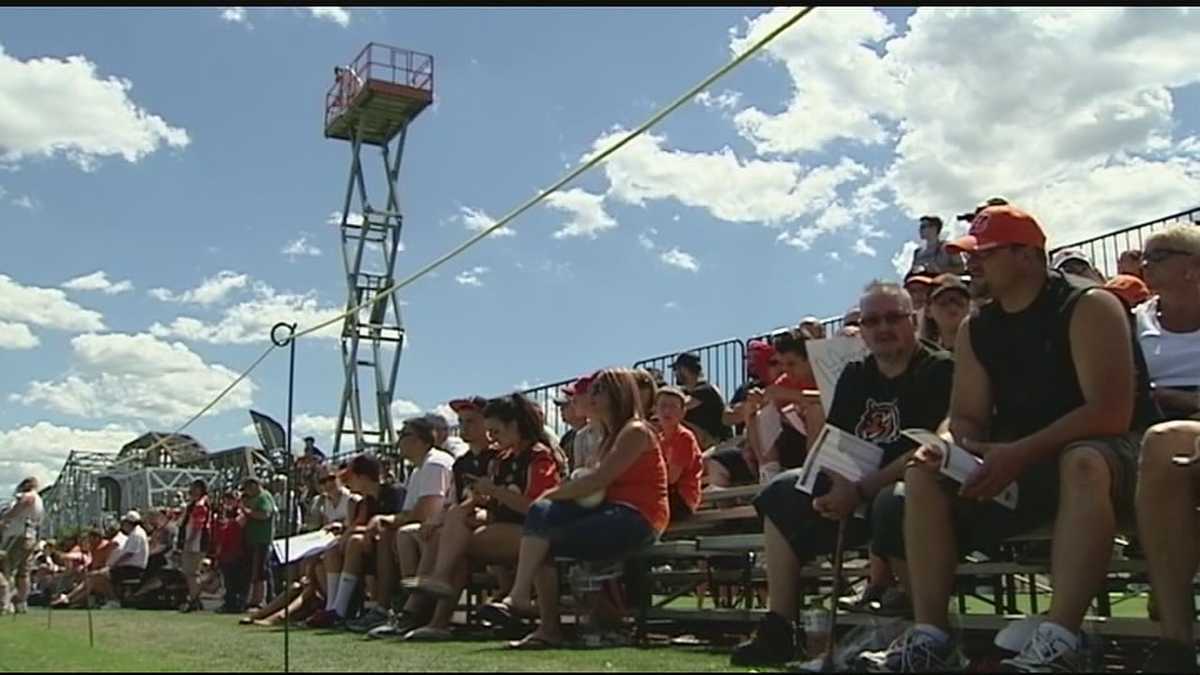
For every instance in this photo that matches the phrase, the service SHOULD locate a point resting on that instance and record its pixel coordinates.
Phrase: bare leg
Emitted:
(1167, 494)
(783, 571)
(533, 556)
(930, 546)
(1083, 535)
(546, 583)
(385, 568)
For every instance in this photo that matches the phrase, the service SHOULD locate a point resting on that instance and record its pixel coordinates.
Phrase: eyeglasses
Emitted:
(890, 318)
(1160, 254)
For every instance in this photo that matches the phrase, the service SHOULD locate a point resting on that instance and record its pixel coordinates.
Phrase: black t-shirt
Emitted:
(708, 416)
(389, 502)
(876, 408)
(470, 464)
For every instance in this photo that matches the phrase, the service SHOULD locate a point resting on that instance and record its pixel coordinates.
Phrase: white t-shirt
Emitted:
(1173, 359)
(435, 477)
(457, 446)
(137, 544)
(587, 442)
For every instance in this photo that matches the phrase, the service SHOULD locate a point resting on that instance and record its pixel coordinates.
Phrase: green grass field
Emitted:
(131, 640)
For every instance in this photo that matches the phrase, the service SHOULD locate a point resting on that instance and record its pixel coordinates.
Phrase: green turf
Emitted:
(131, 640)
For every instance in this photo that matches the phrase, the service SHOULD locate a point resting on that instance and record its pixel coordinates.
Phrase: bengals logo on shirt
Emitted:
(880, 422)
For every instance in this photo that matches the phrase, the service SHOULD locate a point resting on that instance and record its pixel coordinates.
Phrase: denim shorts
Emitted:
(609, 532)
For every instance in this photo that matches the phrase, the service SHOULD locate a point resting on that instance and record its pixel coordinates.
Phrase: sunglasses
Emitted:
(1160, 254)
(890, 318)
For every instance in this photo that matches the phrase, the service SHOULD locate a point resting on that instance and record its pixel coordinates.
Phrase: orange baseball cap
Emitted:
(998, 226)
(1129, 288)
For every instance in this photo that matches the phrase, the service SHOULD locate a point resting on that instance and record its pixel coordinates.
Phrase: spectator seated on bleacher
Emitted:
(706, 409)
(904, 383)
(851, 323)
(1168, 326)
(124, 563)
(160, 562)
(949, 304)
(569, 413)
(367, 547)
(795, 386)
(1167, 495)
(486, 528)
(1130, 262)
(681, 451)
(631, 475)
(811, 328)
(736, 463)
(1045, 390)
(589, 436)
(1076, 262)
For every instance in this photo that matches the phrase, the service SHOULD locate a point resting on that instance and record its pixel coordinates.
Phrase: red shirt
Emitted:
(643, 487)
(227, 538)
(682, 451)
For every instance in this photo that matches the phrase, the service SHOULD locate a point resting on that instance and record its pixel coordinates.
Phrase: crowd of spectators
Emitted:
(1057, 377)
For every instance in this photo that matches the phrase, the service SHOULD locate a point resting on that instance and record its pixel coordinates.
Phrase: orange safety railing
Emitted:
(381, 63)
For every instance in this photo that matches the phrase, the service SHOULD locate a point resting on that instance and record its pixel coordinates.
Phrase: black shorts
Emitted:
(983, 526)
(730, 458)
(119, 575)
(808, 533)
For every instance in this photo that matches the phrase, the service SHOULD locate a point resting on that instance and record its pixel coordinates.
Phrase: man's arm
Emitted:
(971, 394)
(1100, 350)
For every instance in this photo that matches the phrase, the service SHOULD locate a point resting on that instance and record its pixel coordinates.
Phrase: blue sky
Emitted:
(182, 150)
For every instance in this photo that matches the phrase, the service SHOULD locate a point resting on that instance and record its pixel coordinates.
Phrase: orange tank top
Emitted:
(643, 487)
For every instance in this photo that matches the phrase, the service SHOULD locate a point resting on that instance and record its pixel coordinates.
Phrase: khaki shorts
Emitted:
(190, 563)
(16, 556)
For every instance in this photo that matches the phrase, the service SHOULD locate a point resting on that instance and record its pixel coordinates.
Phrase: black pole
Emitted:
(838, 550)
(289, 342)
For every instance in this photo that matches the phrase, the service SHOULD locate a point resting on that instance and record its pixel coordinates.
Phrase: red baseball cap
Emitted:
(1129, 288)
(473, 403)
(998, 226)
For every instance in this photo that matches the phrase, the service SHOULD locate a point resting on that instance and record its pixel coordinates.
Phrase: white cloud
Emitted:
(677, 258)
(477, 220)
(902, 261)
(25, 202)
(728, 187)
(210, 291)
(820, 277)
(839, 83)
(726, 100)
(17, 336)
(403, 408)
(835, 256)
(861, 247)
(46, 307)
(137, 377)
(252, 320)
(100, 121)
(300, 247)
(671, 305)
(646, 242)
(41, 449)
(352, 218)
(587, 214)
(335, 14)
(471, 277)
(234, 14)
(98, 281)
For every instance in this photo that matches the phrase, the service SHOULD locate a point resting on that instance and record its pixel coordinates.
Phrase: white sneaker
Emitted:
(1048, 652)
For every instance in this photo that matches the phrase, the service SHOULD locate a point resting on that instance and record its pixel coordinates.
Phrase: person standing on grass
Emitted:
(18, 535)
(193, 540)
(258, 517)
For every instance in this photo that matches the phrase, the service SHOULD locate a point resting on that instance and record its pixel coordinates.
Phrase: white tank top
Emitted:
(339, 513)
(34, 513)
(1173, 359)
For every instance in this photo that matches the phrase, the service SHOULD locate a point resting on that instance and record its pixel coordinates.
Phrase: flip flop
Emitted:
(246, 621)
(531, 643)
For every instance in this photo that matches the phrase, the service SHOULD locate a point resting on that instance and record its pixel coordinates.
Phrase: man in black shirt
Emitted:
(706, 407)
(1048, 392)
(904, 383)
